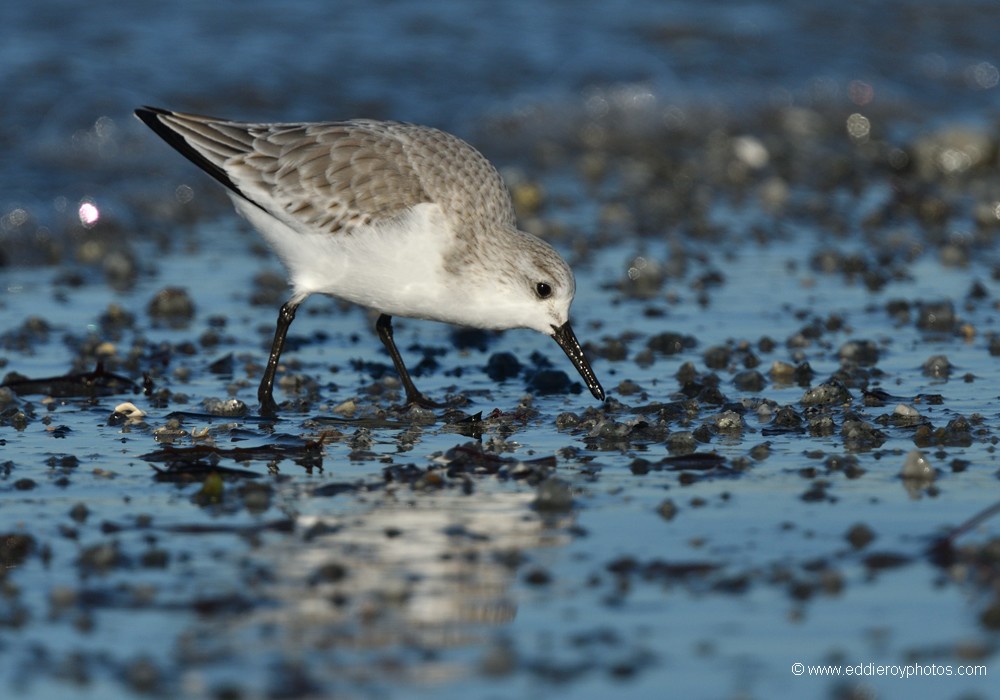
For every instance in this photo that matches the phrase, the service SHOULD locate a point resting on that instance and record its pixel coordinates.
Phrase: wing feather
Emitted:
(333, 176)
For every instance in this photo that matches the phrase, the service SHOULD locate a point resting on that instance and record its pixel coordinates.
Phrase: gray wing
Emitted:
(329, 176)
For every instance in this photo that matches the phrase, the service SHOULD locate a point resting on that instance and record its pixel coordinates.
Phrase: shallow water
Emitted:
(770, 181)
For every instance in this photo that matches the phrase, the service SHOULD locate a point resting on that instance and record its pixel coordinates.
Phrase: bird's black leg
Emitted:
(384, 328)
(265, 393)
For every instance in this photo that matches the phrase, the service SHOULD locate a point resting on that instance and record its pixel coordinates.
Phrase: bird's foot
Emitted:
(268, 407)
(418, 399)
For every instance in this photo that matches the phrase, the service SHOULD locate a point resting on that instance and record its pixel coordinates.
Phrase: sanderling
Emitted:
(402, 219)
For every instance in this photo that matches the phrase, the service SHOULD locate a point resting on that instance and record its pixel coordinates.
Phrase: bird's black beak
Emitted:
(571, 346)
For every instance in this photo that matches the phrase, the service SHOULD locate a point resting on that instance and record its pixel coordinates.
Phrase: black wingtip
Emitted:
(141, 112)
(151, 117)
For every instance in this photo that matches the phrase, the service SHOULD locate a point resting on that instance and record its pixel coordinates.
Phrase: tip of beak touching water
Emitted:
(566, 339)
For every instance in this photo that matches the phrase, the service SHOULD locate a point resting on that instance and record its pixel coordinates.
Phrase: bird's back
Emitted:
(334, 176)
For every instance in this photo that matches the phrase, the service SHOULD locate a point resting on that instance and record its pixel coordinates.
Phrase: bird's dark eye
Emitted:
(543, 290)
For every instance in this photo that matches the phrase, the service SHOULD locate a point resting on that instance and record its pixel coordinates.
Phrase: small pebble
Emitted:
(859, 352)
(782, 372)
(916, 466)
(937, 366)
(667, 509)
(937, 317)
(627, 387)
(15, 548)
(346, 408)
(993, 348)
(546, 382)
(7, 396)
(681, 443)
(749, 380)
(670, 343)
(502, 365)
(729, 422)
(554, 495)
(717, 357)
(100, 557)
(826, 394)
(79, 512)
(860, 536)
(143, 676)
(171, 304)
(787, 418)
(537, 577)
(226, 407)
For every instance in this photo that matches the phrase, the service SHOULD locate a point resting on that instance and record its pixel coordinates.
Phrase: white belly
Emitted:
(394, 268)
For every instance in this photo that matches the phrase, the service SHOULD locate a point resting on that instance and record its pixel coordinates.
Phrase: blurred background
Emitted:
(73, 74)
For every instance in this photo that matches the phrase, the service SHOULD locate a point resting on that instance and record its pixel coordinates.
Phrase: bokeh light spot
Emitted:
(858, 127)
(88, 213)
